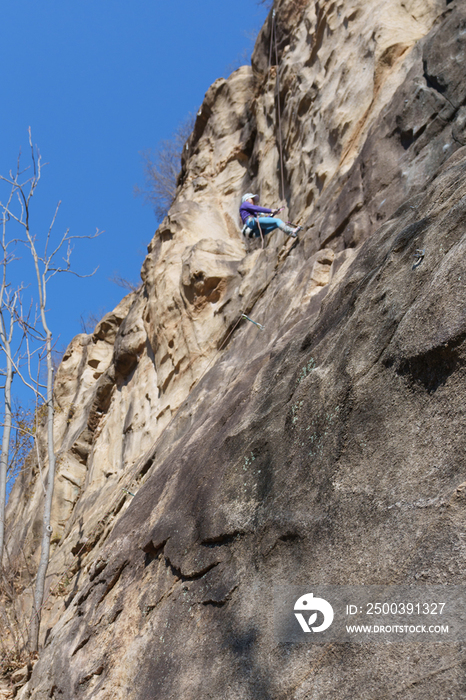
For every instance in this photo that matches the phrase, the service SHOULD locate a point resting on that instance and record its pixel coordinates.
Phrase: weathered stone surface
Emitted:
(416, 133)
(5, 691)
(335, 455)
(326, 447)
(21, 675)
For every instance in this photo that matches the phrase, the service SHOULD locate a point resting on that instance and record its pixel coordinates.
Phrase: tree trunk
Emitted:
(47, 529)
(5, 442)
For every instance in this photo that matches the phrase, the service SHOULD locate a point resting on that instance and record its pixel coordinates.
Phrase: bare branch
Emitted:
(10, 214)
(50, 233)
(89, 321)
(54, 271)
(161, 167)
(124, 283)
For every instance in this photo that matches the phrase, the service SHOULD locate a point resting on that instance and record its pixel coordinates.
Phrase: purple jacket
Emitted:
(246, 210)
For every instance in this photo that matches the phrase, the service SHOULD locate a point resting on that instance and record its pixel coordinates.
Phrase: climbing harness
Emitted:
(247, 231)
(259, 325)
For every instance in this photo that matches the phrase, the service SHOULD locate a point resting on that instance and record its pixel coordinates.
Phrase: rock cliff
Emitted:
(203, 461)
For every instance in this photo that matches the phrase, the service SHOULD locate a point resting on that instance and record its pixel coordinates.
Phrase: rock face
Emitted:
(326, 448)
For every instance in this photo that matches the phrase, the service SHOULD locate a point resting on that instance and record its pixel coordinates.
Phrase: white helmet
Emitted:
(248, 195)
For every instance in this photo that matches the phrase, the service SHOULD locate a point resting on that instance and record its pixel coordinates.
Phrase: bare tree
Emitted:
(125, 283)
(89, 321)
(9, 322)
(46, 266)
(161, 167)
(7, 327)
(22, 438)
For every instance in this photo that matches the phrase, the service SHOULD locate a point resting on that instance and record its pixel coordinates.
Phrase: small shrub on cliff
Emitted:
(22, 437)
(14, 652)
(161, 167)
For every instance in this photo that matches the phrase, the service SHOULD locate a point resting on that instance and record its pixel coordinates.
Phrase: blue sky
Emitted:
(98, 81)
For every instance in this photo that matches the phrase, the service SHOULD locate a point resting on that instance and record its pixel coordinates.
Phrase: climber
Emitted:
(255, 224)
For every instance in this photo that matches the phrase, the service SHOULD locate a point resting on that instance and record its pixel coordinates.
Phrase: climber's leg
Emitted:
(269, 223)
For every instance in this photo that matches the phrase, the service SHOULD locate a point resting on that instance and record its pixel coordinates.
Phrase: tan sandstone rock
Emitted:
(252, 451)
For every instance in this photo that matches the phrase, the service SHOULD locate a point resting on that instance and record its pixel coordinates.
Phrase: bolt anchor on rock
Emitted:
(254, 322)
(418, 257)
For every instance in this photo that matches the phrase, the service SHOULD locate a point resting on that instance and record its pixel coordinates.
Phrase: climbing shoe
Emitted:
(294, 232)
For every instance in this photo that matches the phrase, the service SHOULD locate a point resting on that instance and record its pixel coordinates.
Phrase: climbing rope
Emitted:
(273, 49)
(370, 191)
(273, 41)
(260, 231)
